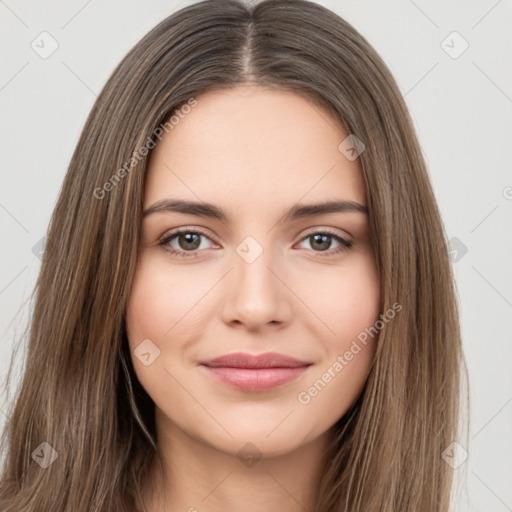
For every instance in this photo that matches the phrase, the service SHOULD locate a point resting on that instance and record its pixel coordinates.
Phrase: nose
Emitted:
(255, 294)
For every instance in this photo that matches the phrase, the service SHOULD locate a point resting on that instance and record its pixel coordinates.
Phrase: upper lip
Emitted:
(266, 360)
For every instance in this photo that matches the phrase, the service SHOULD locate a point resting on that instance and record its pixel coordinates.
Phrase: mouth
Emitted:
(248, 372)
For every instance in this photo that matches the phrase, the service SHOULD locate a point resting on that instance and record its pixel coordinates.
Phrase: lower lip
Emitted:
(255, 379)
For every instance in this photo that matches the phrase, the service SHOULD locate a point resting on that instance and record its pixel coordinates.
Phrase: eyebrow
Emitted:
(297, 211)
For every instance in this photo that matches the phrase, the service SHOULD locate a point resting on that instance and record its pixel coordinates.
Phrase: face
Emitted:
(252, 271)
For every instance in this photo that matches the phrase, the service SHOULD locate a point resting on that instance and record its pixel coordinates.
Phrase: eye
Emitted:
(186, 242)
(183, 242)
(321, 242)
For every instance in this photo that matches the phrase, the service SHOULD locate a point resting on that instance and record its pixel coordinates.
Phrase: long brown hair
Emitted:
(79, 393)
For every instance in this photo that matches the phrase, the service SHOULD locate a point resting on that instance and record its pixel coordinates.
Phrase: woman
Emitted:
(246, 301)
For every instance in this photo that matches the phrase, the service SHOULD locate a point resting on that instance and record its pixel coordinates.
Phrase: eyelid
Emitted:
(331, 231)
(308, 232)
(186, 229)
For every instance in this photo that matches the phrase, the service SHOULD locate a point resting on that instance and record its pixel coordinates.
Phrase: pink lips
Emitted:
(255, 372)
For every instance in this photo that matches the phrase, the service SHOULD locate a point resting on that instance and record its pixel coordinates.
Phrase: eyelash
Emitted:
(345, 244)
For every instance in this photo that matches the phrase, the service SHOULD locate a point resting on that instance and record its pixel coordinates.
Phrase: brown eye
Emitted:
(322, 242)
(184, 242)
(189, 241)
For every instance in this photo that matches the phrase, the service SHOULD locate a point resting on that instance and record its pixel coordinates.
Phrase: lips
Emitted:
(260, 372)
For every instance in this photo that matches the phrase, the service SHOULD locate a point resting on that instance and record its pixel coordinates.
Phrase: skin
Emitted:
(255, 152)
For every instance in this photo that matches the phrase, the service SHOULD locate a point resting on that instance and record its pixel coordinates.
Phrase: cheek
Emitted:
(350, 308)
(157, 303)
(145, 307)
(347, 301)
(165, 307)
(159, 300)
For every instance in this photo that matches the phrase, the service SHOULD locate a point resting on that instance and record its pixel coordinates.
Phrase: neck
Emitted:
(198, 477)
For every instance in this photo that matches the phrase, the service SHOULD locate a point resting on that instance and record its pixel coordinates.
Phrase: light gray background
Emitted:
(462, 111)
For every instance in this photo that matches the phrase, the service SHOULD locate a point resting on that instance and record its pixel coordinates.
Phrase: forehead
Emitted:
(253, 144)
